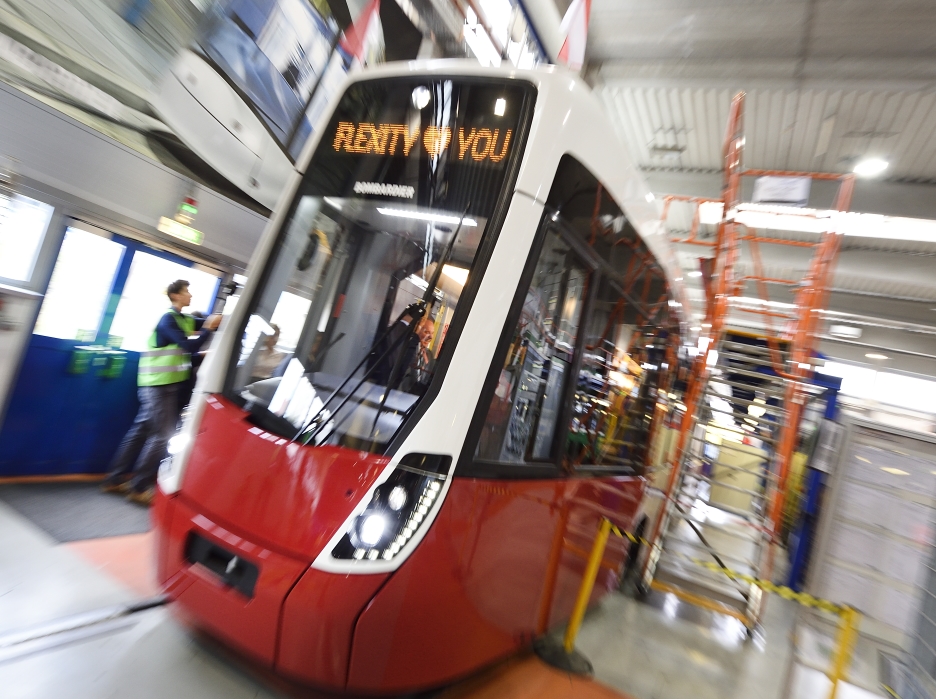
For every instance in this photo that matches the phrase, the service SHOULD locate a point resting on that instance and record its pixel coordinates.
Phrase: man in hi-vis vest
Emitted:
(164, 370)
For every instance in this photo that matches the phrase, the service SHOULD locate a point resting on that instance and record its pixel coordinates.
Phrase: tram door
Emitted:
(75, 395)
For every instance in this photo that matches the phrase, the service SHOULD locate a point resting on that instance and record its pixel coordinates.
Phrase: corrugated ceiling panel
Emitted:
(782, 126)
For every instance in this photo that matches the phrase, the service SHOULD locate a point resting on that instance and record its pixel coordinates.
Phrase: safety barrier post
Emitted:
(588, 584)
(846, 645)
(564, 656)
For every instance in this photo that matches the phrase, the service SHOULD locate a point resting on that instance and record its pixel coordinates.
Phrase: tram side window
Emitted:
(580, 382)
(628, 356)
(625, 364)
(522, 418)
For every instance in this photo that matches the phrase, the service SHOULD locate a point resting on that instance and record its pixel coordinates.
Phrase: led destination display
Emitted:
(398, 139)
(445, 143)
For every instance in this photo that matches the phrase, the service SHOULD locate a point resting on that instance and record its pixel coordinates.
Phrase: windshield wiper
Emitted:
(428, 301)
(415, 311)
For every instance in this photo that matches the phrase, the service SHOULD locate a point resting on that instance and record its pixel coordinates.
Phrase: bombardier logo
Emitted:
(385, 190)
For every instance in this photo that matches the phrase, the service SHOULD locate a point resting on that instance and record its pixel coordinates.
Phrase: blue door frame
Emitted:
(67, 417)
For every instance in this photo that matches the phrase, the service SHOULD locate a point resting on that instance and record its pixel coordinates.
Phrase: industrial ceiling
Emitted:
(829, 83)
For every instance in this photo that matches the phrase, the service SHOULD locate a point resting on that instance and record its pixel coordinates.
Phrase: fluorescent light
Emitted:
(872, 355)
(710, 212)
(845, 331)
(500, 106)
(706, 325)
(694, 274)
(649, 197)
(870, 167)
(420, 216)
(760, 302)
(458, 274)
(804, 220)
(895, 471)
(695, 328)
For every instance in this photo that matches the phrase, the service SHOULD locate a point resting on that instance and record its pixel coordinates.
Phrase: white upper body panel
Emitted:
(568, 118)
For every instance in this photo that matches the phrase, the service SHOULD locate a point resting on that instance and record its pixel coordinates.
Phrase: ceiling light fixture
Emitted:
(421, 96)
(870, 167)
(694, 274)
(872, 355)
(420, 216)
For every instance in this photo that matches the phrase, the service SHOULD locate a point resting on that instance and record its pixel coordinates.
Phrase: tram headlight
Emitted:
(397, 498)
(372, 529)
(399, 508)
(177, 443)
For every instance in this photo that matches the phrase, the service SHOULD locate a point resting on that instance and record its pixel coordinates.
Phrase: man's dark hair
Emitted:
(178, 286)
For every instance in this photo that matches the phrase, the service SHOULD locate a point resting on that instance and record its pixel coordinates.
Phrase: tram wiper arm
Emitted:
(409, 310)
(428, 300)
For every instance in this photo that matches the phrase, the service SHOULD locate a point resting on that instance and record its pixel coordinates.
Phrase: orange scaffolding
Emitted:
(791, 362)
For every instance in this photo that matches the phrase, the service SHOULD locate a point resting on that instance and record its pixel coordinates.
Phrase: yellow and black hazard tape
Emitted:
(788, 593)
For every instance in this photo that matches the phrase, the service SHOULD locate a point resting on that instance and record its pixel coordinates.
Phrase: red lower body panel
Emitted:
(423, 629)
(318, 624)
(249, 624)
(500, 564)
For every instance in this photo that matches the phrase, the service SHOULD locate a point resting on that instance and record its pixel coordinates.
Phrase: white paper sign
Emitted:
(791, 191)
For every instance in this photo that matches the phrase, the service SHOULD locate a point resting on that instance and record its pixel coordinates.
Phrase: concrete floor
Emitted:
(658, 649)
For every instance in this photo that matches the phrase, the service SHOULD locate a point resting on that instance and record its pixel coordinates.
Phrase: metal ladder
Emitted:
(724, 495)
(718, 516)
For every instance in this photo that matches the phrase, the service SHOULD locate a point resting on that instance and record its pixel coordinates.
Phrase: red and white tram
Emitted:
(451, 357)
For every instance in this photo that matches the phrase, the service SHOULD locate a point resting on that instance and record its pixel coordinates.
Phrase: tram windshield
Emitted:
(350, 325)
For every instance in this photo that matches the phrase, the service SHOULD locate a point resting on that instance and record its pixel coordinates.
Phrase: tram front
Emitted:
(290, 476)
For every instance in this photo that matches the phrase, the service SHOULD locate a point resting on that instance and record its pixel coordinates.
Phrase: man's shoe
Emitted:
(121, 488)
(141, 498)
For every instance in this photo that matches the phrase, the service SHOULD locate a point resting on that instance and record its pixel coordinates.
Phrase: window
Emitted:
(80, 286)
(521, 421)
(370, 266)
(143, 300)
(23, 224)
(277, 54)
(590, 362)
(623, 366)
(114, 290)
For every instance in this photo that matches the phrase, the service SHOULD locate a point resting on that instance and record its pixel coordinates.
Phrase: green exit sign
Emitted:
(178, 230)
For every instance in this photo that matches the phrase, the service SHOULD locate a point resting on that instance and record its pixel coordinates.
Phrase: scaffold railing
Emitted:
(745, 397)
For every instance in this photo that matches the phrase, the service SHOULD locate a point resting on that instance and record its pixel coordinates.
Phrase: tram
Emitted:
(454, 353)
